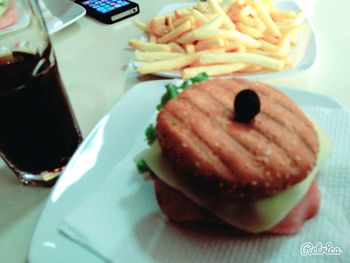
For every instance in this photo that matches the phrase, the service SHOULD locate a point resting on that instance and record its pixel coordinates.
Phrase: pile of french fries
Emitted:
(220, 38)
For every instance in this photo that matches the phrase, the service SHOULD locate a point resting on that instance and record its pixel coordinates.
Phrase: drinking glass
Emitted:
(38, 129)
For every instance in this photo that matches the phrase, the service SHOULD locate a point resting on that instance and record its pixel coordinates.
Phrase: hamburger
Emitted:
(236, 152)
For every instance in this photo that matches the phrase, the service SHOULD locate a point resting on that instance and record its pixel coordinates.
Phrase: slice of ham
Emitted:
(179, 208)
(9, 17)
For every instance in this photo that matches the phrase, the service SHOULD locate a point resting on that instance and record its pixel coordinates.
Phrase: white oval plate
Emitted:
(57, 15)
(303, 54)
(60, 14)
(22, 21)
(111, 140)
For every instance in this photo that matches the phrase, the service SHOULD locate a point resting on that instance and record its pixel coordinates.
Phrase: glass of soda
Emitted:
(38, 129)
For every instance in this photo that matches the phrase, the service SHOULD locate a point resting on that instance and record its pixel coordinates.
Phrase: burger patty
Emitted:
(180, 208)
(231, 160)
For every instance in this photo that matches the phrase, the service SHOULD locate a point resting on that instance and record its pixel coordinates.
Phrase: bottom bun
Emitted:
(179, 208)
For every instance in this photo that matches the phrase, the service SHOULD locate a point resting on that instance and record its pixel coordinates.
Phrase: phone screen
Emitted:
(105, 6)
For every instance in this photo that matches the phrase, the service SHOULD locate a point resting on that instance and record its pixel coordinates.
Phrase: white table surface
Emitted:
(93, 59)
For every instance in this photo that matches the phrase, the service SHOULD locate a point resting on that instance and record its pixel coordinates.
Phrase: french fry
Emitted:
(199, 16)
(172, 16)
(248, 11)
(285, 28)
(218, 50)
(226, 5)
(249, 21)
(168, 65)
(266, 18)
(250, 31)
(210, 44)
(248, 17)
(209, 25)
(268, 4)
(271, 39)
(250, 69)
(288, 36)
(234, 12)
(146, 46)
(190, 49)
(230, 35)
(175, 47)
(140, 25)
(201, 7)
(215, 70)
(157, 26)
(158, 30)
(182, 13)
(212, 24)
(213, 4)
(152, 39)
(155, 56)
(181, 21)
(249, 58)
(267, 46)
(233, 46)
(288, 62)
(242, 49)
(294, 39)
(277, 55)
(245, 39)
(276, 15)
(175, 33)
(286, 41)
(241, 2)
(169, 23)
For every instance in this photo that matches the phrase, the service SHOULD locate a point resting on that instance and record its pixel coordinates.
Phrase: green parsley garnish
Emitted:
(151, 134)
(186, 83)
(171, 92)
(141, 166)
(200, 77)
(4, 3)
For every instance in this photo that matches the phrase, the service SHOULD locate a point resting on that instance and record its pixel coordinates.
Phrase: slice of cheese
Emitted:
(251, 216)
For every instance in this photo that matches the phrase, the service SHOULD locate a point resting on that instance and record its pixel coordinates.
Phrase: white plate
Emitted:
(22, 20)
(58, 14)
(96, 158)
(304, 54)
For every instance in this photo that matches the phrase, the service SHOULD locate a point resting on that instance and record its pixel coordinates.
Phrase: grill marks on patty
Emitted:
(255, 143)
(198, 135)
(177, 136)
(274, 104)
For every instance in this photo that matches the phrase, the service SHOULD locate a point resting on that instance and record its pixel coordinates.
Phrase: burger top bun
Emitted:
(237, 147)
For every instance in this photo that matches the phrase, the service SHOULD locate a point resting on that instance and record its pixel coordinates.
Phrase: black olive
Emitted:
(246, 106)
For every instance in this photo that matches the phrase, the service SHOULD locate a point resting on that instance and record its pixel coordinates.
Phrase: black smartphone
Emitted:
(109, 11)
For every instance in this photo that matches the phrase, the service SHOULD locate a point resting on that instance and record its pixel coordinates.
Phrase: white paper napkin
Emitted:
(121, 222)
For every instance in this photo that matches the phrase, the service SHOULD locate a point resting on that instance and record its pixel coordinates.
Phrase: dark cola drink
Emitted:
(38, 130)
